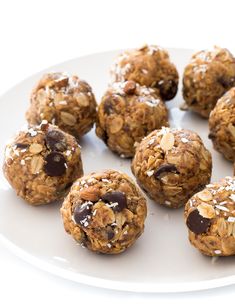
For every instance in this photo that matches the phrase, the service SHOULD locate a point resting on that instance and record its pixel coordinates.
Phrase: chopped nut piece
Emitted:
(91, 193)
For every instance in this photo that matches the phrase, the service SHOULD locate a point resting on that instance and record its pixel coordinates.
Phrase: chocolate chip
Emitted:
(105, 137)
(130, 87)
(68, 185)
(81, 213)
(197, 223)
(168, 89)
(55, 164)
(226, 82)
(211, 136)
(115, 197)
(55, 140)
(108, 107)
(164, 169)
(61, 81)
(110, 234)
(21, 145)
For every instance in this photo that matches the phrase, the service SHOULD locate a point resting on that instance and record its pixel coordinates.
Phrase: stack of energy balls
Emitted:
(105, 211)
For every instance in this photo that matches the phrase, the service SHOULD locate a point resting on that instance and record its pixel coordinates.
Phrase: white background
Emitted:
(38, 34)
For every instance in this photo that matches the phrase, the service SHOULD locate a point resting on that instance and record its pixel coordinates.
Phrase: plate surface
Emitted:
(162, 260)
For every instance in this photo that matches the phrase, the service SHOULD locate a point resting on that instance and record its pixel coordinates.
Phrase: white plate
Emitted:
(162, 260)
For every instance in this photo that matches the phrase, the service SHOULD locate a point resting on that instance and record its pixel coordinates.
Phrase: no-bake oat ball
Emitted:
(206, 78)
(127, 113)
(210, 218)
(65, 101)
(171, 165)
(149, 65)
(222, 125)
(104, 212)
(41, 163)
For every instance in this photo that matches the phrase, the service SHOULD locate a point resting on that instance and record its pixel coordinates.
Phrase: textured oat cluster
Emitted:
(210, 217)
(222, 125)
(171, 165)
(104, 212)
(149, 65)
(206, 78)
(127, 113)
(65, 101)
(41, 163)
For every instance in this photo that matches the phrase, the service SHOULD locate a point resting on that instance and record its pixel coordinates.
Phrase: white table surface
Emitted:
(38, 34)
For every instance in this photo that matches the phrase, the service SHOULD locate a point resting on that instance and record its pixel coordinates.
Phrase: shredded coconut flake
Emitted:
(222, 208)
(150, 173)
(231, 219)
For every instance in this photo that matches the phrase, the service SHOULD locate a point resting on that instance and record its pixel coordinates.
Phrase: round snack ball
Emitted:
(171, 165)
(104, 212)
(210, 218)
(65, 101)
(222, 125)
(149, 66)
(206, 78)
(41, 163)
(126, 114)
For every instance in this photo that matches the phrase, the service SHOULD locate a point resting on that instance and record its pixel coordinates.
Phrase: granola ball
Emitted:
(126, 114)
(171, 165)
(65, 101)
(104, 212)
(41, 163)
(210, 218)
(149, 66)
(206, 78)
(222, 125)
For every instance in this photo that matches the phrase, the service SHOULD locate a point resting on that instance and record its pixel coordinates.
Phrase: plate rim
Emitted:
(136, 287)
(116, 285)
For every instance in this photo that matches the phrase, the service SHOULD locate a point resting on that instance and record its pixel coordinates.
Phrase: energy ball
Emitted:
(41, 163)
(171, 165)
(65, 101)
(210, 218)
(150, 66)
(104, 212)
(126, 114)
(206, 78)
(222, 125)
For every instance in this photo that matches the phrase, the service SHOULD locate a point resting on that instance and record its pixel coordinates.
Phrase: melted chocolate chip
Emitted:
(21, 145)
(168, 89)
(164, 169)
(197, 223)
(55, 140)
(115, 197)
(81, 213)
(55, 164)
